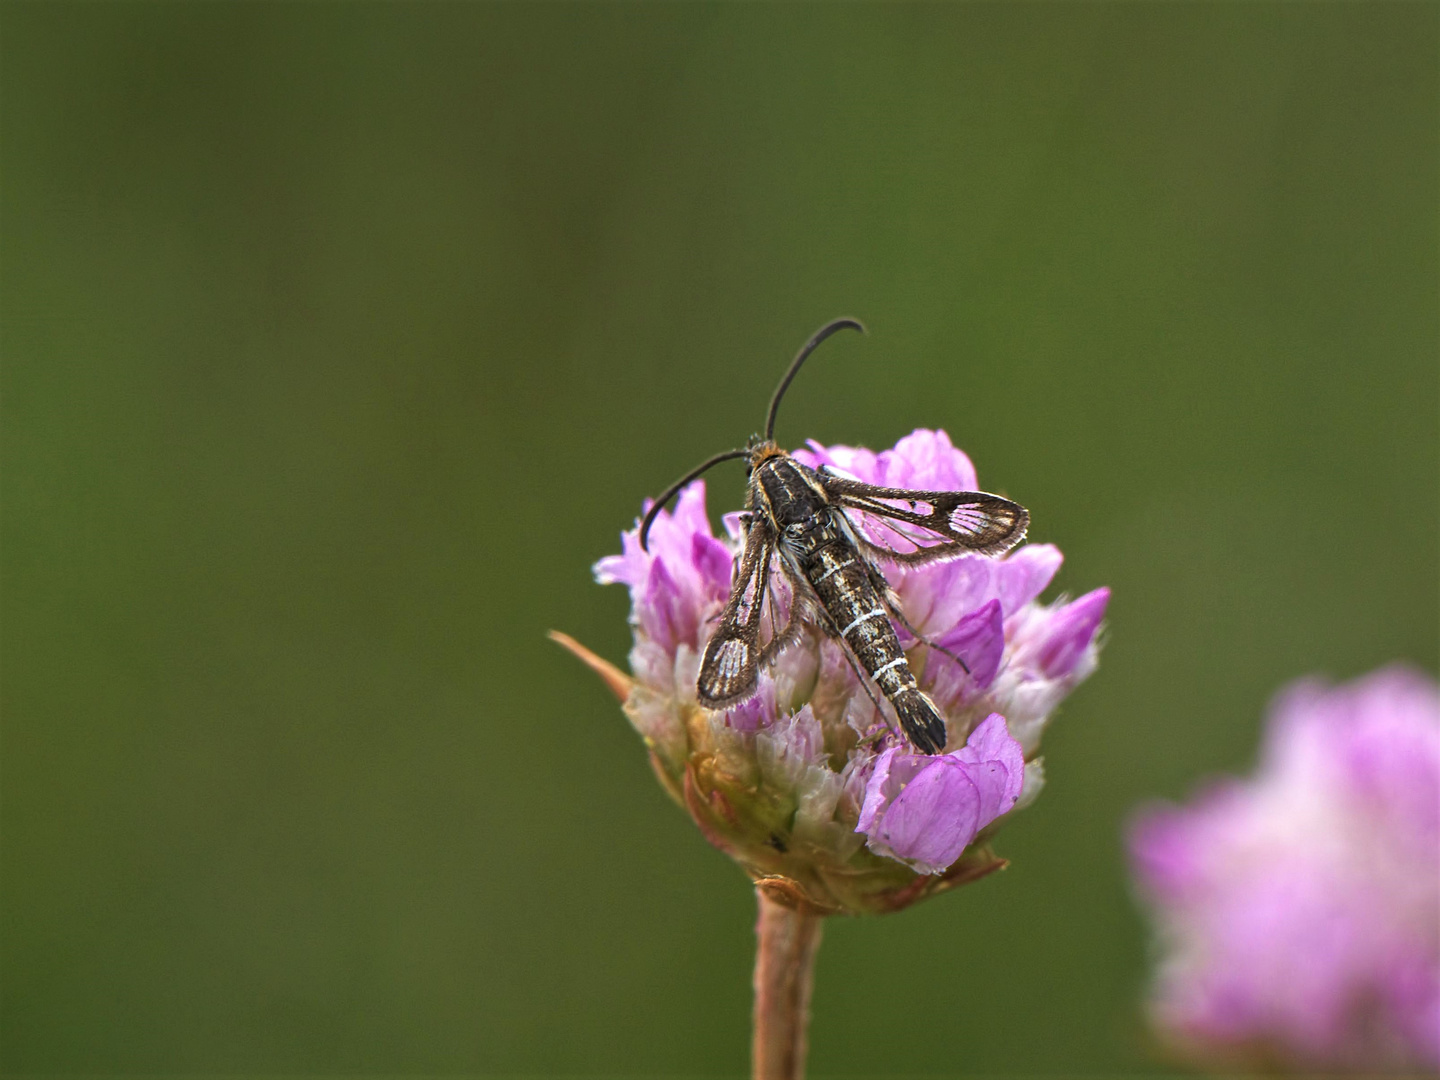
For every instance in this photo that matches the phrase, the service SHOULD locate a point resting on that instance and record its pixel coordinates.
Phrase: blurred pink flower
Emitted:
(805, 781)
(1298, 912)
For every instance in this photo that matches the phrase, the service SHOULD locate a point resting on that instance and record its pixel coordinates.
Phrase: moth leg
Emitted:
(864, 678)
(794, 627)
(745, 519)
(770, 610)
(801, 606)
(892, 605)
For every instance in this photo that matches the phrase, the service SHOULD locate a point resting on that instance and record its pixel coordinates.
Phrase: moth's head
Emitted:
(762, 450)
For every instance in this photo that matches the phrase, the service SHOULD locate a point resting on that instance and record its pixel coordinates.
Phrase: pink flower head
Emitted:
(862, 798)
(1299, 910)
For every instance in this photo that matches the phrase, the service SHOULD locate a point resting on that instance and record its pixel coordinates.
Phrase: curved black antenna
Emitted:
(677, 485)
(810, 346)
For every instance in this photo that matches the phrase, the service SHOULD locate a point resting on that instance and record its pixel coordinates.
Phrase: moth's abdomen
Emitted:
(920, 720)
(842, 582)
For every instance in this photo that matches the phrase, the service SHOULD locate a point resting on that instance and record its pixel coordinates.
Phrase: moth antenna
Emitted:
(669, 492)
(810, 346)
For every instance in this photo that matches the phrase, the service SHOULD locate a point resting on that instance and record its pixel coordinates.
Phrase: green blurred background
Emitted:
(339, 341)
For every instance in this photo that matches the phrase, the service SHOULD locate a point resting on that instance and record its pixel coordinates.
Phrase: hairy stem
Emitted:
(784, 971)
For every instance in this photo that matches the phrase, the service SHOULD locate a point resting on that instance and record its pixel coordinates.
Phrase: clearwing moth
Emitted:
(797, 521)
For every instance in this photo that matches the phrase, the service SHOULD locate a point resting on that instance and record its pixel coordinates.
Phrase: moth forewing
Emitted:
(732, 656)
(963, 521)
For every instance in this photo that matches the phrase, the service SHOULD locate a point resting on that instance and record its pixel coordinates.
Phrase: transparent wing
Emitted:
(930, 525)
(732, 656)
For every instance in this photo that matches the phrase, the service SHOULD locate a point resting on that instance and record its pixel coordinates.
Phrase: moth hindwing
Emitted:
(798, 524)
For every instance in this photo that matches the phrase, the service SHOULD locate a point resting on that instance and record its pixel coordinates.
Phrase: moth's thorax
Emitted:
(794, 501)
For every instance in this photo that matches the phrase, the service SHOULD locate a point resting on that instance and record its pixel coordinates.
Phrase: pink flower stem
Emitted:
(787, 938)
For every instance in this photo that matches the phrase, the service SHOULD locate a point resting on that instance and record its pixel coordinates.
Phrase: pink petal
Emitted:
(933, 819)
(999, 766)
(1068, 632)
(979, 640)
